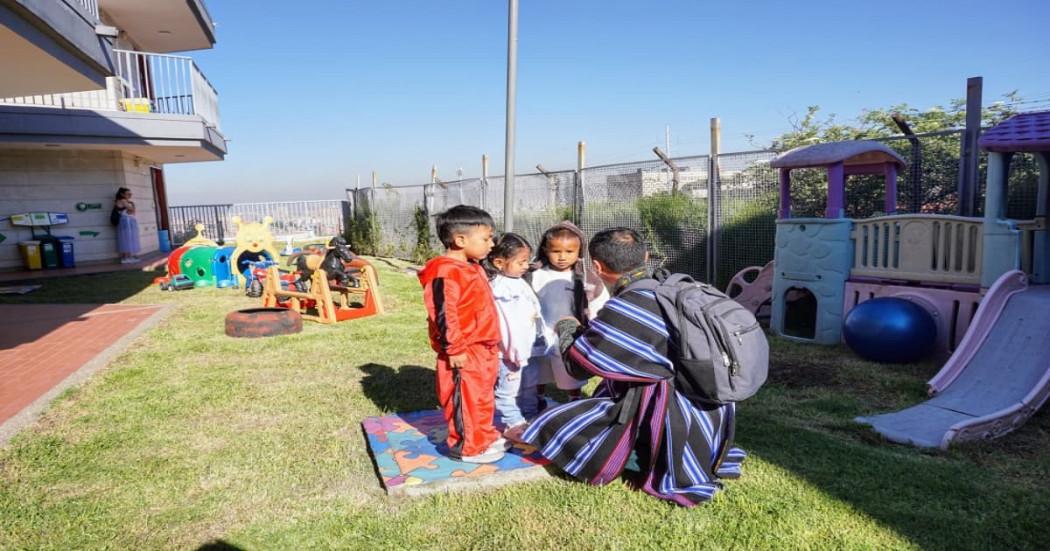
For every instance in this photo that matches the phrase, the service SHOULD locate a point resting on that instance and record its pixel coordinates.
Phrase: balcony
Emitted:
(145, 83)
(51, 46)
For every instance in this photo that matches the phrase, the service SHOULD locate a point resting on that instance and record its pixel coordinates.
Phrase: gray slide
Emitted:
(998, 377)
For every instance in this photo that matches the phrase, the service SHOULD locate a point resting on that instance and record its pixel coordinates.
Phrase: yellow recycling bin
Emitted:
(31, 254)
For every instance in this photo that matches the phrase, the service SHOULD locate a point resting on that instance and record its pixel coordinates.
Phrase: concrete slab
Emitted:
(412, 459)
(149, 263)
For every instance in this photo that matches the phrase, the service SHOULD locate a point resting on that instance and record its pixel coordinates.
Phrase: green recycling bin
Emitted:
(49, 251)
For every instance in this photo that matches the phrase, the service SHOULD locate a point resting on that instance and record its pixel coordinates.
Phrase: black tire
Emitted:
(263, 322)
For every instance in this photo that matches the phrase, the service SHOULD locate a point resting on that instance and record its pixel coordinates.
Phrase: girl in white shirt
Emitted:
(567, 286)
(520, 325)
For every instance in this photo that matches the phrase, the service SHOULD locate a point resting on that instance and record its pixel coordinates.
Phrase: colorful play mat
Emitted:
(411, 457)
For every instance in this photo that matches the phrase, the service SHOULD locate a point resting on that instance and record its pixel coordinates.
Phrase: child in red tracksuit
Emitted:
(464, 331)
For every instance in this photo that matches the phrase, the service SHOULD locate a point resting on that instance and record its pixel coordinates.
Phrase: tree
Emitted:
(929, 184)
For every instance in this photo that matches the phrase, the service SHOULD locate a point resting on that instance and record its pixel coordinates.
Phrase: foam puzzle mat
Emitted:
(411, 457)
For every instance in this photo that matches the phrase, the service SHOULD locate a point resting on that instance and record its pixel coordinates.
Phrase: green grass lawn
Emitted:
(191, 437)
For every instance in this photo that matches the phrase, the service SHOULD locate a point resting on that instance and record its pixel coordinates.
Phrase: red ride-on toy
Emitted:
(255, 279)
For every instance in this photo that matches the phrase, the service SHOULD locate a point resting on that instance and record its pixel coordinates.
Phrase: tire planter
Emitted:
(263, 322)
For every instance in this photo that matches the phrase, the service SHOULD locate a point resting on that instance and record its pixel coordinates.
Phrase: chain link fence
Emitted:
(707, 227)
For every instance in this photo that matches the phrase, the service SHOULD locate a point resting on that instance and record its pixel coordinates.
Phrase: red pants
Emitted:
(467, 397)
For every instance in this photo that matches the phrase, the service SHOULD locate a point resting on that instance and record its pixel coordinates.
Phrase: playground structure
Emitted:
(319, 303)
(982, 280)
(204, 261)
(254, 242)
(999, 375)
(824, 267)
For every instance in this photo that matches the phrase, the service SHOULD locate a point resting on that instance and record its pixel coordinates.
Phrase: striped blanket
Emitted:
(682, 449)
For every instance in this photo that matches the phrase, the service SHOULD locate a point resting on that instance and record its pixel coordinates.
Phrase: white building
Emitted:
(96, 101)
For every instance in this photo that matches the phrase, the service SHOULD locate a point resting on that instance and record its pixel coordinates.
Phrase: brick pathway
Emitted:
(42, 345)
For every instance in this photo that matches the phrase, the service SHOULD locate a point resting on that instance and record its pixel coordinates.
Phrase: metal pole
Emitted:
(670, 164)
(512, 82)
(712, 200)
(578, 195)
(484, 181)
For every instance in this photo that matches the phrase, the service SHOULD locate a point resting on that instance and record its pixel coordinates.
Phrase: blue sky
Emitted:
(313, 94)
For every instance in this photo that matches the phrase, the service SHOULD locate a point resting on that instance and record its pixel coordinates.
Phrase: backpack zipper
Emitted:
(747, 329)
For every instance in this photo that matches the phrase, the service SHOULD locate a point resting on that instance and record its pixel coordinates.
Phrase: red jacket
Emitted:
(460, 306)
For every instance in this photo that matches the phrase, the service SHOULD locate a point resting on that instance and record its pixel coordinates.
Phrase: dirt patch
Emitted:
(796, 374)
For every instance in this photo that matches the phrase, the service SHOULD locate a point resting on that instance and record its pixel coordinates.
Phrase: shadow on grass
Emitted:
(408, 388)
(219, 545)
(86, 289)
(928, 498)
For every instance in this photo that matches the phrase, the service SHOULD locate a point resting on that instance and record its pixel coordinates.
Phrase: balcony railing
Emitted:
(91, 6)
(144, 83)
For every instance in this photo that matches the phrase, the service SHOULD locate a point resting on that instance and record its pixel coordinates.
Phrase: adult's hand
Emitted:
(459, 361)
(567, 329)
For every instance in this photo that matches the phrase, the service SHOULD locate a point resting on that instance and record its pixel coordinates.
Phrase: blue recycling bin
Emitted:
(66, 257)
(164, 241)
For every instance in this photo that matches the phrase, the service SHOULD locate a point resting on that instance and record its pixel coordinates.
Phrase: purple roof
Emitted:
(1023, 133)
(859, 152)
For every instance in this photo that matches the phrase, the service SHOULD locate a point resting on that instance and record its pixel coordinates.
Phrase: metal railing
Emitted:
(144, 83)
(290, 219)
(168, 84)
(91, 6)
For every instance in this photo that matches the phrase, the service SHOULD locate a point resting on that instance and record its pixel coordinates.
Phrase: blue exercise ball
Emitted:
(890, 330)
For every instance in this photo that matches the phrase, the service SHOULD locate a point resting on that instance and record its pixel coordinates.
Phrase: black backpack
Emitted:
(114, 216)
(719, 350)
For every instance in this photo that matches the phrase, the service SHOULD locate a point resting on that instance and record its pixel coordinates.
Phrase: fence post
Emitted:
(578, 193)
(969, 152)
(220, 224)
(484, 181)
(713, 190)
(915, 166)
(373, 230)
(674, 169)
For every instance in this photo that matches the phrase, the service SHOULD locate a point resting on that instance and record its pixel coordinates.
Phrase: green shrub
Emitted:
(362, 233)
(675, 225)
(423, 251)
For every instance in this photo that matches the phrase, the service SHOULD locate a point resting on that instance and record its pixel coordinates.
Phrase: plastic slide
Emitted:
(998, 377)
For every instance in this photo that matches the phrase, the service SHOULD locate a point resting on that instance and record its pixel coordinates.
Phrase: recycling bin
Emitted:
(65, 252)
(31, 254)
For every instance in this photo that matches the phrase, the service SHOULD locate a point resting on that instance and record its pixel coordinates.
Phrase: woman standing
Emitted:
(127, 228)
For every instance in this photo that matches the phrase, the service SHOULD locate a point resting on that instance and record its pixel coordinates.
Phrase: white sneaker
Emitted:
(483, 457)
(501, 443)
(492, 454)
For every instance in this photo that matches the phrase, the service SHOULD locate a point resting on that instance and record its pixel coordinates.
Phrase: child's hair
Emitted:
(551, 234)
(121, 192)
(509, 244)
(619, 249)
(458, 220)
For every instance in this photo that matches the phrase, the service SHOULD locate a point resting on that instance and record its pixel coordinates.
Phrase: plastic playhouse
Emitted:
(823, 267)
(999, 374)
(203, 261)
(982, 280)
